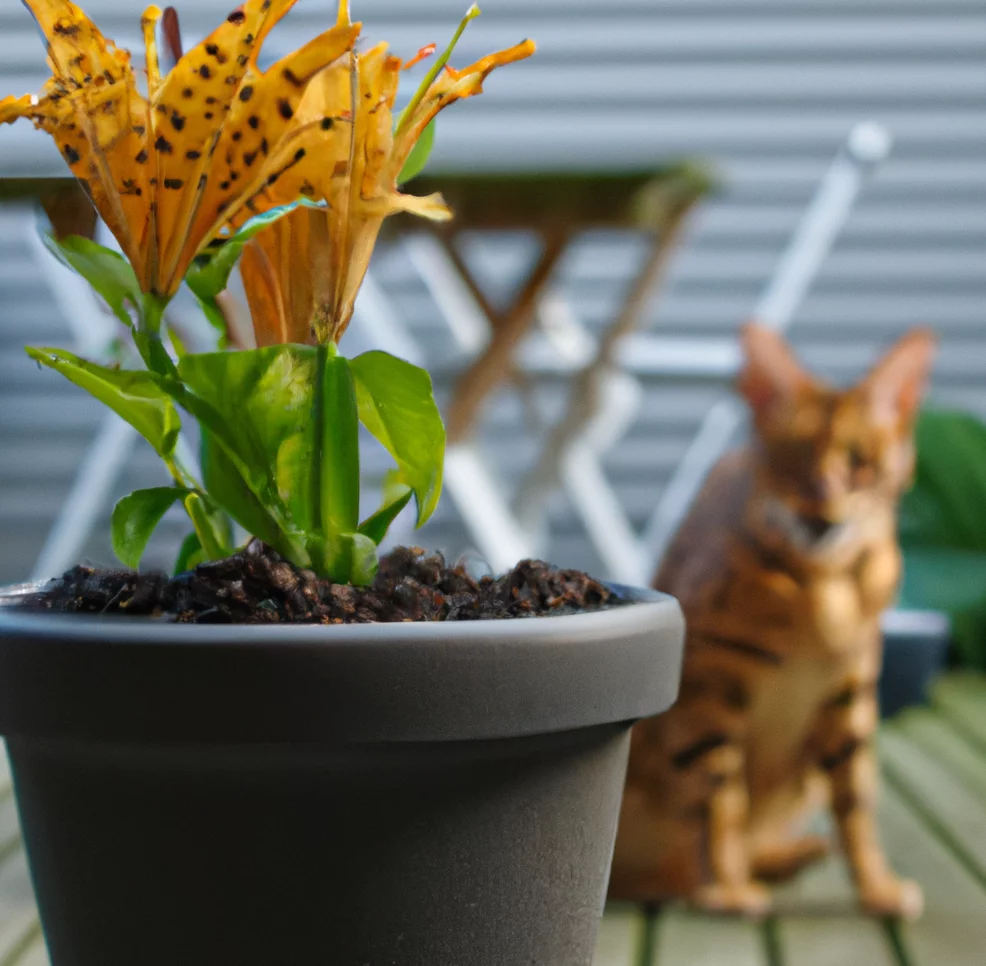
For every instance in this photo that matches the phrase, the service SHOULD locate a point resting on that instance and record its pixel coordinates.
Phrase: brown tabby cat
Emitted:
(782, 568)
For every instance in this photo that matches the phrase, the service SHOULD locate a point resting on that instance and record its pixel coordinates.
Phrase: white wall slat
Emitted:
(764, 90)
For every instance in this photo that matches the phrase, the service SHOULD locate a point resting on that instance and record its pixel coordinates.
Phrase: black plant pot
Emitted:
(915, 648)
(373, 795)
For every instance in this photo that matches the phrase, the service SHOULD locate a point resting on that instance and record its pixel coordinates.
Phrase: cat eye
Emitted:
(857, 459)
(862, 469)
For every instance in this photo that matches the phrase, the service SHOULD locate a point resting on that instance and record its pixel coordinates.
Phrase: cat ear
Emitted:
(897, 382)
(771, 373)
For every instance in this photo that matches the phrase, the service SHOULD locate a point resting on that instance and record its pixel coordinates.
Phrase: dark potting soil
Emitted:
(257, 586)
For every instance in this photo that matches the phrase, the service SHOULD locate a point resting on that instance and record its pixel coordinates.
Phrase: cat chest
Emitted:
(783, 716)
(827, 613)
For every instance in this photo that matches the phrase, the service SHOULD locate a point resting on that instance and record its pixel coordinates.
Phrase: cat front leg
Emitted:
(731, 887)
(847, 758)
(703, 763)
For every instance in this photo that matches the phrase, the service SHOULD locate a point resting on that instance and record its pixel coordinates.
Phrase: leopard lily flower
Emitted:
(169, 170)
(302, 274)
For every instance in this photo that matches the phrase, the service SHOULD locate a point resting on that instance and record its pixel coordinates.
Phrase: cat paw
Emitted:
(890, 896)
(744, 899)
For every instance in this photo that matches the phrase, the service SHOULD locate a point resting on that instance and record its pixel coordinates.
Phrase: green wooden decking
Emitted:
(933, 821)
(934, 825)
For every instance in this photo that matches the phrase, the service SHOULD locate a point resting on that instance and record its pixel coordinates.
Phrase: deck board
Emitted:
(950, 809)
(938, 737)
(34, 953)
(621, 936)
(961, 698)
(818, 922)
(687, 939)
(952, 931)
(19, 936)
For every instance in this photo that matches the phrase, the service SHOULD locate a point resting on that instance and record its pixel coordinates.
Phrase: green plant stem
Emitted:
(152, 312)
(440, 62)
(147, 335)
(175, 469)
(195, 508)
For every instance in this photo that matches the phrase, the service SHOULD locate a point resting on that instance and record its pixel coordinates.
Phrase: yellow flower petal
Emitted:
(168, 171)
(292, 250)
(217, 111)
(302, 274)
(449, 87)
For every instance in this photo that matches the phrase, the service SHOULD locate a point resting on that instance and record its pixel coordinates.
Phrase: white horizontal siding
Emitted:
(763, 90)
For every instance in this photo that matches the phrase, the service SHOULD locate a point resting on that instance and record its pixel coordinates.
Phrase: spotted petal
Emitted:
(345, 163)
(217, 117)
(93, 110)
(168, 171)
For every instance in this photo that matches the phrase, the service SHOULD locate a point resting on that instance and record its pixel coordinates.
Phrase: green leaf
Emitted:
(395, 499)
(944, 506)
(338, 444)
(190, 554)
(135, 517)
(107, 271)
(953, 581)
(397, 406)
(226, 485)
(281, 448)
(351, 557)
(259, 405)
(419, 155)
(209, 527)
(133, 394)
(363, 559)
(210, 271)
(943, 528)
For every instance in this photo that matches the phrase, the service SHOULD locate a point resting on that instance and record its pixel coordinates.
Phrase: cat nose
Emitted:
(817, 527)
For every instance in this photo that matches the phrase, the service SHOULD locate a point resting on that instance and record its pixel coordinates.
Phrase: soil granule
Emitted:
(257, 586)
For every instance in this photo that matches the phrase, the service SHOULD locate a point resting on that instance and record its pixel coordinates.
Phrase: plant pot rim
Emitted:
(139, 680)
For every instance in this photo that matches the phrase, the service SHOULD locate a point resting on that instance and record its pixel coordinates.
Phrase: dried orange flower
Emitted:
(302, 274)
(167, 171)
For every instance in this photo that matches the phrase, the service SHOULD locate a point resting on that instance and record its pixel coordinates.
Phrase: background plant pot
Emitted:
(412, 794)
(915, 647)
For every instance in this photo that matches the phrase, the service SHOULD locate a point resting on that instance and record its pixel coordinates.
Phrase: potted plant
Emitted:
(337, 771)
(943, 597)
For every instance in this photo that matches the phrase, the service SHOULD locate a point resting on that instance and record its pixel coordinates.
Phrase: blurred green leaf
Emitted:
(395, 497)
(943, 527)
(210, 525)
(397, 406)
(107, 271)
(945, 505)
(134, 395)
(190, 554)
(135, 517)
